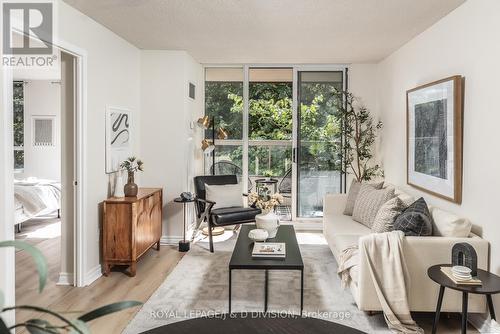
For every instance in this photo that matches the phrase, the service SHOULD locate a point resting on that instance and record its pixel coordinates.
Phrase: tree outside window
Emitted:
(18, 122)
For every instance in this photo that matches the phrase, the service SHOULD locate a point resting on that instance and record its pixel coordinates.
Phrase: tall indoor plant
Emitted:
(359, 132)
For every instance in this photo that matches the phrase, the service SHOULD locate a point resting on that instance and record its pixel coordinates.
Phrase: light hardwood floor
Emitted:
(70, 301)
(151, 272)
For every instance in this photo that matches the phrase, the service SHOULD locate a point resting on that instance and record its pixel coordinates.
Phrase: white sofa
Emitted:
(420, 253)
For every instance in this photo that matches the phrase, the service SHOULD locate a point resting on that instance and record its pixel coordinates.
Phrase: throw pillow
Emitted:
(224, 196)
(384, 220)
(446, 224)
(416, 220)
(353, 194)
(369, 201)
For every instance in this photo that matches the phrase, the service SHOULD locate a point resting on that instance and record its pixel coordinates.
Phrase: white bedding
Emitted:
(35, 197)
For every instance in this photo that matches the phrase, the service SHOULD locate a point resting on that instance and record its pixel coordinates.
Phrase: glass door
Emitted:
(318, 140)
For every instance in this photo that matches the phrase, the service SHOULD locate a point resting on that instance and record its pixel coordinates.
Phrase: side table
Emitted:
(184, 244)
(491, 286)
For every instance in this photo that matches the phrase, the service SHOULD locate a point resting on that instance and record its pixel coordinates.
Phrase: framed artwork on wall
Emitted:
(434, 122)
(118, 137)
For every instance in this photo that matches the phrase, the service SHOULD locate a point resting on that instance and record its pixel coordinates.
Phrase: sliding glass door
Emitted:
(318, 140)
(280, 126)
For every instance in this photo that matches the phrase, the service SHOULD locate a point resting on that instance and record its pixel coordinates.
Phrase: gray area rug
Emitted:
(198, 286)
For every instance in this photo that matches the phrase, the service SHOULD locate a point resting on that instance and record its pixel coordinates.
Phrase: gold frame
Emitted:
(458, 91)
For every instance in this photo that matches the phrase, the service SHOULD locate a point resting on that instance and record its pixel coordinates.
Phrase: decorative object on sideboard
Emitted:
(359, 134)
(434, 138)
(463, 254)
(268, 219)
(208, 145)
(119, 185)
(131, 165)
(258, 235)
(118, 137)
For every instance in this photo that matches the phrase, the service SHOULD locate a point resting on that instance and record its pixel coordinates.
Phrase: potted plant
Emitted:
(132, 165)
(267, 202)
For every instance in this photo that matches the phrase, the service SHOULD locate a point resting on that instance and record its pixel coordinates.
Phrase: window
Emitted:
(18, 122)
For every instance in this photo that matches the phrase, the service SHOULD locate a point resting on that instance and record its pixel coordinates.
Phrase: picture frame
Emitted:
(434, 136)
(119, 131)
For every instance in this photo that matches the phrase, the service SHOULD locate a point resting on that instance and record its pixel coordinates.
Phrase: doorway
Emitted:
(281, 128)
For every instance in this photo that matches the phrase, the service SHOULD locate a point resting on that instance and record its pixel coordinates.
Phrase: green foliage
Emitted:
(42, 326)
(132, 165)
(359, 133)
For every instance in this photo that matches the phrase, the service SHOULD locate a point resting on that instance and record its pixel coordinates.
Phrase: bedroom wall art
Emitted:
(118, 137)
(434, 138)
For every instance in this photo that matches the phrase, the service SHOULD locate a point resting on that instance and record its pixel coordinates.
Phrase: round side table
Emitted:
(490, 286)
(184, 244)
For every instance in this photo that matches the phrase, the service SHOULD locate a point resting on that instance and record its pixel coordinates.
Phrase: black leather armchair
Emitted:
(219, 216)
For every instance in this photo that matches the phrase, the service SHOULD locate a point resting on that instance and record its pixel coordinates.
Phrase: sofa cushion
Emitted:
(369, 202)
(335, 224)
(234, 215)
(353, 194)
(384, 220)
(344, 241)
(416, 220)
(446, 224)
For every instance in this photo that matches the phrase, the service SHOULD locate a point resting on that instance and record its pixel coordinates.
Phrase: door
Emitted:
(317, 140)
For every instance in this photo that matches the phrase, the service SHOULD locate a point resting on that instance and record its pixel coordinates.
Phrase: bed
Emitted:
(35, 197)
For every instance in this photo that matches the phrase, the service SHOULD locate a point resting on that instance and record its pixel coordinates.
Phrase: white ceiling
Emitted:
(270, 31)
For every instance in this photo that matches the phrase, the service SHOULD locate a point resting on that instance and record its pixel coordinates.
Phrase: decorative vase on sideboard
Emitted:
(269, 222)
(119, 191)
(130, 188)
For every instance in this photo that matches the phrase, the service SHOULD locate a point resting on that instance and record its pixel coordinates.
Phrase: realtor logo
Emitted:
(30, 20)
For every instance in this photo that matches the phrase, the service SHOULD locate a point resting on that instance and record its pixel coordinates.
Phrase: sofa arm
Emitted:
(419, 254)
(334, 204)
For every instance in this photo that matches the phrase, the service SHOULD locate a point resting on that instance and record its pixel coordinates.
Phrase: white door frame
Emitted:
(79, 237)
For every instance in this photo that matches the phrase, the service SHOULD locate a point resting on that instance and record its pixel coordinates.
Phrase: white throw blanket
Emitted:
(384, 254)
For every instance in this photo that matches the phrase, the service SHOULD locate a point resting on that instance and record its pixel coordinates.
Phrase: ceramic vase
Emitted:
(269, 222)
(130, 188)
(119, 185)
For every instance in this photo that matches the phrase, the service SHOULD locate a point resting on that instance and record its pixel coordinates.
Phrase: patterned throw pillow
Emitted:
(416, 220)
(353, 194)
(384, 220)
(369, 201)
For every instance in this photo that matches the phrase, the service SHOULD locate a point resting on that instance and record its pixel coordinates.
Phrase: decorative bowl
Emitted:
(258, 235)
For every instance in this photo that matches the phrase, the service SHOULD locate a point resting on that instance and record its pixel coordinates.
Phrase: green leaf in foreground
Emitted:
(108, 309)
(39, 326)
(3, 327)
(40, 262)
(82, 327)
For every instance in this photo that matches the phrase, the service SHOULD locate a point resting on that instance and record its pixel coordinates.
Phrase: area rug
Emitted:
(198, 286)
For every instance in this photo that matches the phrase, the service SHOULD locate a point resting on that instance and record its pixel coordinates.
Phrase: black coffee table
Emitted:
(251, 323)
(242, 258)
(490, 286)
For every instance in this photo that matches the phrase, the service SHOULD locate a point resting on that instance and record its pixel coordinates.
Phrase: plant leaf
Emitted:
(3, 327)
(81, 325)
(40, 262)
(39, 326)
(108, 309)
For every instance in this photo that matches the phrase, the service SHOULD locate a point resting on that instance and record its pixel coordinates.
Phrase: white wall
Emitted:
(112, 79)
(465, 42)
(167, 147)
(42, 98)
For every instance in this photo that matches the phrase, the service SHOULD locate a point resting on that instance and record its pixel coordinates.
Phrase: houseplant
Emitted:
(267, 202)
(132, 165)
(359, 133)
(42, 326)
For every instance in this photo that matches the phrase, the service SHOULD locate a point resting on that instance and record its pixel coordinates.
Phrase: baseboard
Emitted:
(92, 275)
(483, 324)
(170, 240)
(66, 279)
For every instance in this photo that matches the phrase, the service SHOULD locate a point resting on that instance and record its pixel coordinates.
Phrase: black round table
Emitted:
(251, 323)
(490, 286)
(184, 244)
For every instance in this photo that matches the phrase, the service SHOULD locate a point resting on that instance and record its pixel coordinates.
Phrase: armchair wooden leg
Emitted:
(210, 238)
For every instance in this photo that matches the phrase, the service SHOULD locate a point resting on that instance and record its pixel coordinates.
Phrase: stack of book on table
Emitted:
(269, 250)
(461, 275)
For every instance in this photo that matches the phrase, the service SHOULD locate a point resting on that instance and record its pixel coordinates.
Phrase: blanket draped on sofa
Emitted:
(389, 273)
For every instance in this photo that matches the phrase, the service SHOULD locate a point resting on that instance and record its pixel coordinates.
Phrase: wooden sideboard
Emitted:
(131, 226)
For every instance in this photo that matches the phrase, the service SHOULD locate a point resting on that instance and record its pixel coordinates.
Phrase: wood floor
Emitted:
(151, 272)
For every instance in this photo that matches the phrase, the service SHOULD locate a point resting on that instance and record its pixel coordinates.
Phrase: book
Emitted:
(269, 250)
(472, 281)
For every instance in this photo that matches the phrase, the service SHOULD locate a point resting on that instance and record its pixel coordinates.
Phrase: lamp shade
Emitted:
(207, 146)
(203, 122)
(222, 133)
